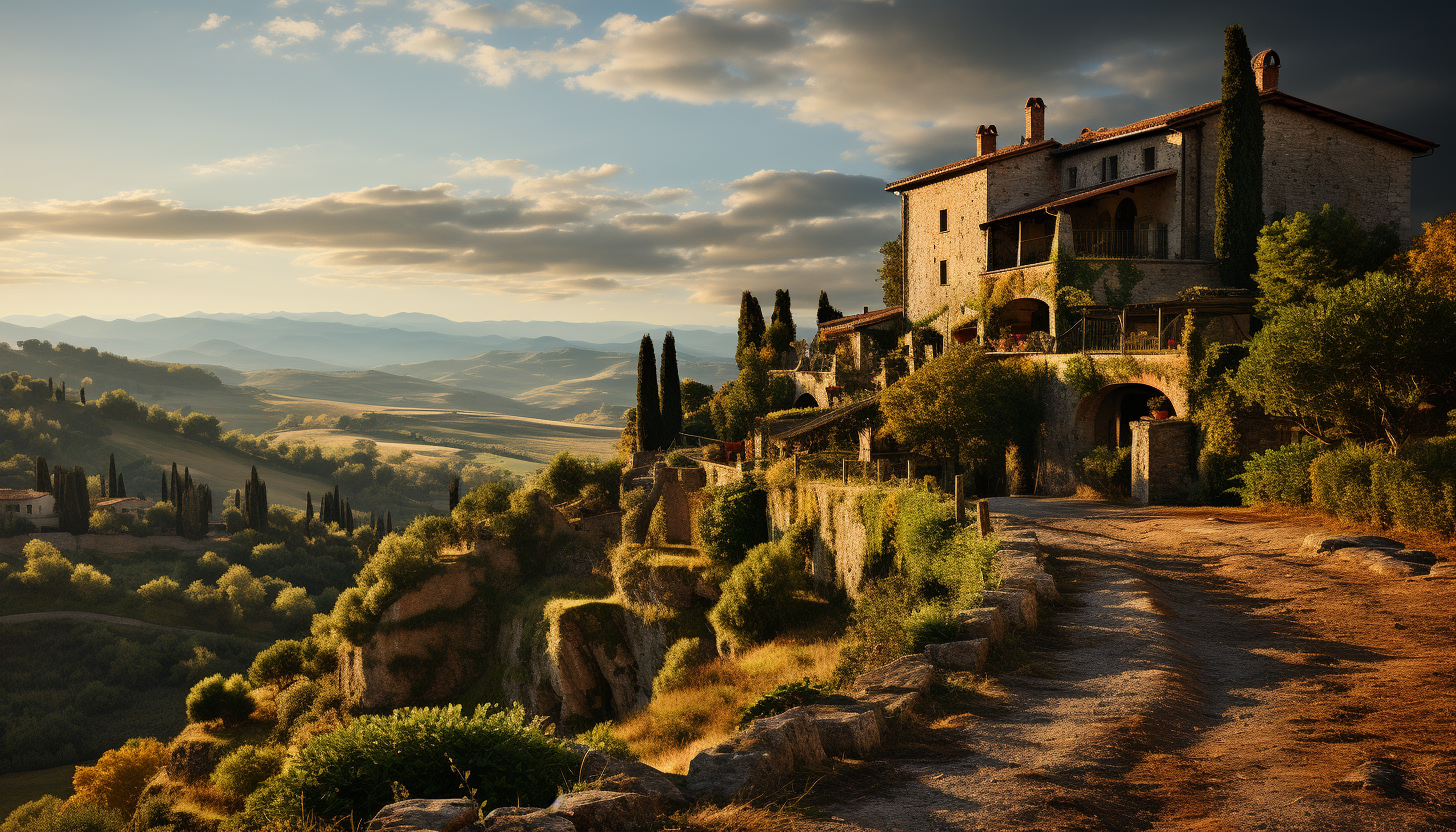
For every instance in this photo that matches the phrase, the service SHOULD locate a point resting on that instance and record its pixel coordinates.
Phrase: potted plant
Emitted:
(1160, 407)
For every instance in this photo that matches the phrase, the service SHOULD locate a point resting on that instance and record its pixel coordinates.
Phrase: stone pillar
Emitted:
(1062, 241)
(1162, 460)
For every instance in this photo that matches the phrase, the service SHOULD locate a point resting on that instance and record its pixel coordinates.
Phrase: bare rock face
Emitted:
(907, 674)
(853, 733)
(522, 819)
(601, 811)
(634, 777)
(757, 761)
(960, 655)
(1018, 607)
(982, 622)
(425, 816)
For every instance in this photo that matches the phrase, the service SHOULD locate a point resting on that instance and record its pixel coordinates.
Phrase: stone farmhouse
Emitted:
(25, 504)
(1141, 195)
(1143, 192)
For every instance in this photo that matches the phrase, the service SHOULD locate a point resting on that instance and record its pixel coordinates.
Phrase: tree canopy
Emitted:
(892, 271)
(1432, 256)
(1357, 362)
(827, 312)
(1303, 254)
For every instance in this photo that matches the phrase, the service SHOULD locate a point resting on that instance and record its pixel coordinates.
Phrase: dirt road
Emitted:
(1199, 676)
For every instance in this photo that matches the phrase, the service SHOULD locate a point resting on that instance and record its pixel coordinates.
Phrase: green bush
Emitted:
(242, 771)
(924, 527)
(1340, 482)
(782, 698)
(602, 738)
(733, 519)
(234, 519)
(294, 702)
(45, 566)
(877, 631)
(1279, 475)
(51, 814)
(1108, 471)
(160, 590)
(680, 459)
(930, 624)
(219, 698)
(88, 582)
(106, 522)
(754, 601)
(678, 664)
(1415, 489)
(1081, 374)
(354, 771)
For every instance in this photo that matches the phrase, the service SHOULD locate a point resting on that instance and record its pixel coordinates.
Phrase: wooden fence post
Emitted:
(844, 470)
(960, 501)
(983, 517)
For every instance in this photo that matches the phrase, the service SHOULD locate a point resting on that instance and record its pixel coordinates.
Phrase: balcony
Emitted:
(1025, 253)
(1142, 244)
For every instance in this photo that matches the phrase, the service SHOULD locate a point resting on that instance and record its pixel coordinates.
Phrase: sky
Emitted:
(582, 161)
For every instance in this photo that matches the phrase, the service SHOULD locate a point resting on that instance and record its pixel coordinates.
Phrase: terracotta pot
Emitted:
(1162, 414)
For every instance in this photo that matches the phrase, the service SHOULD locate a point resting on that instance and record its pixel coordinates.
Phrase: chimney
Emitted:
(985, 139)
(1266, 70)
(1035, 120)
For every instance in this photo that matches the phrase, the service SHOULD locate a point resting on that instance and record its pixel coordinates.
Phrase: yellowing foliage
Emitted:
(1432, 257)
(117, 779)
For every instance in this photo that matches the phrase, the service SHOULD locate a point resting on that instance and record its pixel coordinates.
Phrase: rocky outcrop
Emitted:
(1380, 555)
(758, 761)
(425, 816)
(426, 648)
(960, 655)
(606, 811)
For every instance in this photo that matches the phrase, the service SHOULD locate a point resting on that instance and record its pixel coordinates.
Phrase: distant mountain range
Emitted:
(560, 366)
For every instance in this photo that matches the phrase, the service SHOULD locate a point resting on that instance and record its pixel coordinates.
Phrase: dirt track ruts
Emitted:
(1200, 675)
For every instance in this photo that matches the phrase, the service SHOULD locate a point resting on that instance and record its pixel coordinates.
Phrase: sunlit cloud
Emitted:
(213, 21)
(239, 164)
(485, 19)
(349, 35)
(426, 43)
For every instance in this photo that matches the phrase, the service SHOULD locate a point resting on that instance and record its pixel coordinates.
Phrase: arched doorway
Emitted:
(806, 400)
(1124, 223)
(1026, 315)
(1107, 415)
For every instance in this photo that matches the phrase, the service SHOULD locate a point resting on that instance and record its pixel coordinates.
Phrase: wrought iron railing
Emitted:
(1142, 244)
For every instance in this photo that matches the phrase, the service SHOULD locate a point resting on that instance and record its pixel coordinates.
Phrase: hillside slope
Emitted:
(372, 387)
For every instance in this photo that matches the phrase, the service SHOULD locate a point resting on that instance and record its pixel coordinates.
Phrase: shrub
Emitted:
(160, 590)
(219, 698)
(401, 564)
(1279, 475)
(780, 699)
(1340, 482)
(117, 779)
(680, 459)
(88, 582)
(924, 527)
(293, 703)
(1080, 373)
(1415, 488)
(754, 604)
(162, 517)
(246, 592)
(234, 519)
(877, 632)
(294, 604)
(733, 519)
(105, 522)
(278, 664)
(51, 814)
(211, 566)
(930, 624)
(1108, 471)
(481, 503)
(681, 659)
(45, 566)
(242, 771)
(604, 739)
(355, 770)
(780, 474)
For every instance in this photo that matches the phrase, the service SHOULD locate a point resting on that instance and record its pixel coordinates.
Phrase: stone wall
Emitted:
(962, 245)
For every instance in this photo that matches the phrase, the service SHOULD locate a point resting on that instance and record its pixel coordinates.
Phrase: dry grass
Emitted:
(737, 817)
(676, 726)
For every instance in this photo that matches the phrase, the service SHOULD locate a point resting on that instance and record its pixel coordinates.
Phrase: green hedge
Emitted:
(1280, 475)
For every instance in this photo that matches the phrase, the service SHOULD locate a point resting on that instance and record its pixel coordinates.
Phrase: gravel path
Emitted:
(1199, 676)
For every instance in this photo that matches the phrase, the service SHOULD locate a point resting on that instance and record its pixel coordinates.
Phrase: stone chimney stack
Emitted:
(985, 139)
(1035, 120)
(1266, 70)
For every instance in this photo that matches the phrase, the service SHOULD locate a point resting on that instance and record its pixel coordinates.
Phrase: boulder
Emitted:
(1021, 571)
(854, 734)
(896, 705)
(907, 674)
(1018, 607)
(600, 811)
(193, 760)
(635, 777)
(1386, 565)
(1318, 544)
(758, 761)
(960, 655)
(1443, 570)
(426, 816)
(982, 622)
(1420, 556)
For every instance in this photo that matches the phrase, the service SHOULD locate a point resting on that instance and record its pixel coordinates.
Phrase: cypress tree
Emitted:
(165, 494)
(111, 477)
(176, 489)
(389, 522)
(455, 489)
(121, 485)
(1239, 183)
(671, 392)
(750, 324)
(649, 409)
(308, 513)
(238, 498)
(379, 529)
(348, 518)
(42, 475)
(51, 386)
(255, 498)
(83, 395)
(826, 311)
(781, 330)
(335, 513)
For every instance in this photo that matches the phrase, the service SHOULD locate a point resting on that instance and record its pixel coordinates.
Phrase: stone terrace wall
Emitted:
(832, 509)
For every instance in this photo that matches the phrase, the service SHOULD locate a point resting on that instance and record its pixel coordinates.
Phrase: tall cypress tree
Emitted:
(111, 477)
(1239, 184)
(389, 522)
(121, 485)
(166, 495)
(308, 513)
(671, 392)
(348, 518)
(176, 487)
(750, 324)
(826, 311)
(42, 475)
(781, 330)
(255, 500)
(649, 408)
(455, 490)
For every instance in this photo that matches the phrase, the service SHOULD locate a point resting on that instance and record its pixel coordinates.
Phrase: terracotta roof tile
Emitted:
(849, 323)
(926, 176)
(20, 494)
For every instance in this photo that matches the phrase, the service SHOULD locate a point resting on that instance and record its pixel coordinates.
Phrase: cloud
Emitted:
(555, 234)
(454, 14)
(239, 164)
(292, 30)
(213, 21)
(349, 35)
(426, 43)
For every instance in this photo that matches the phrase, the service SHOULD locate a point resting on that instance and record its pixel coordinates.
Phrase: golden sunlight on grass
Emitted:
(679, 724)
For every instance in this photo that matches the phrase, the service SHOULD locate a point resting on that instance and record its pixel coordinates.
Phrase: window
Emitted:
(1109, 168)
(944, 220)
(1071, 178)
(27, 508)
(1150, 158)
(944, 277)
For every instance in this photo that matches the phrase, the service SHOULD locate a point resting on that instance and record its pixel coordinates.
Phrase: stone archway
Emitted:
(806, 400)
(1105, 417)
